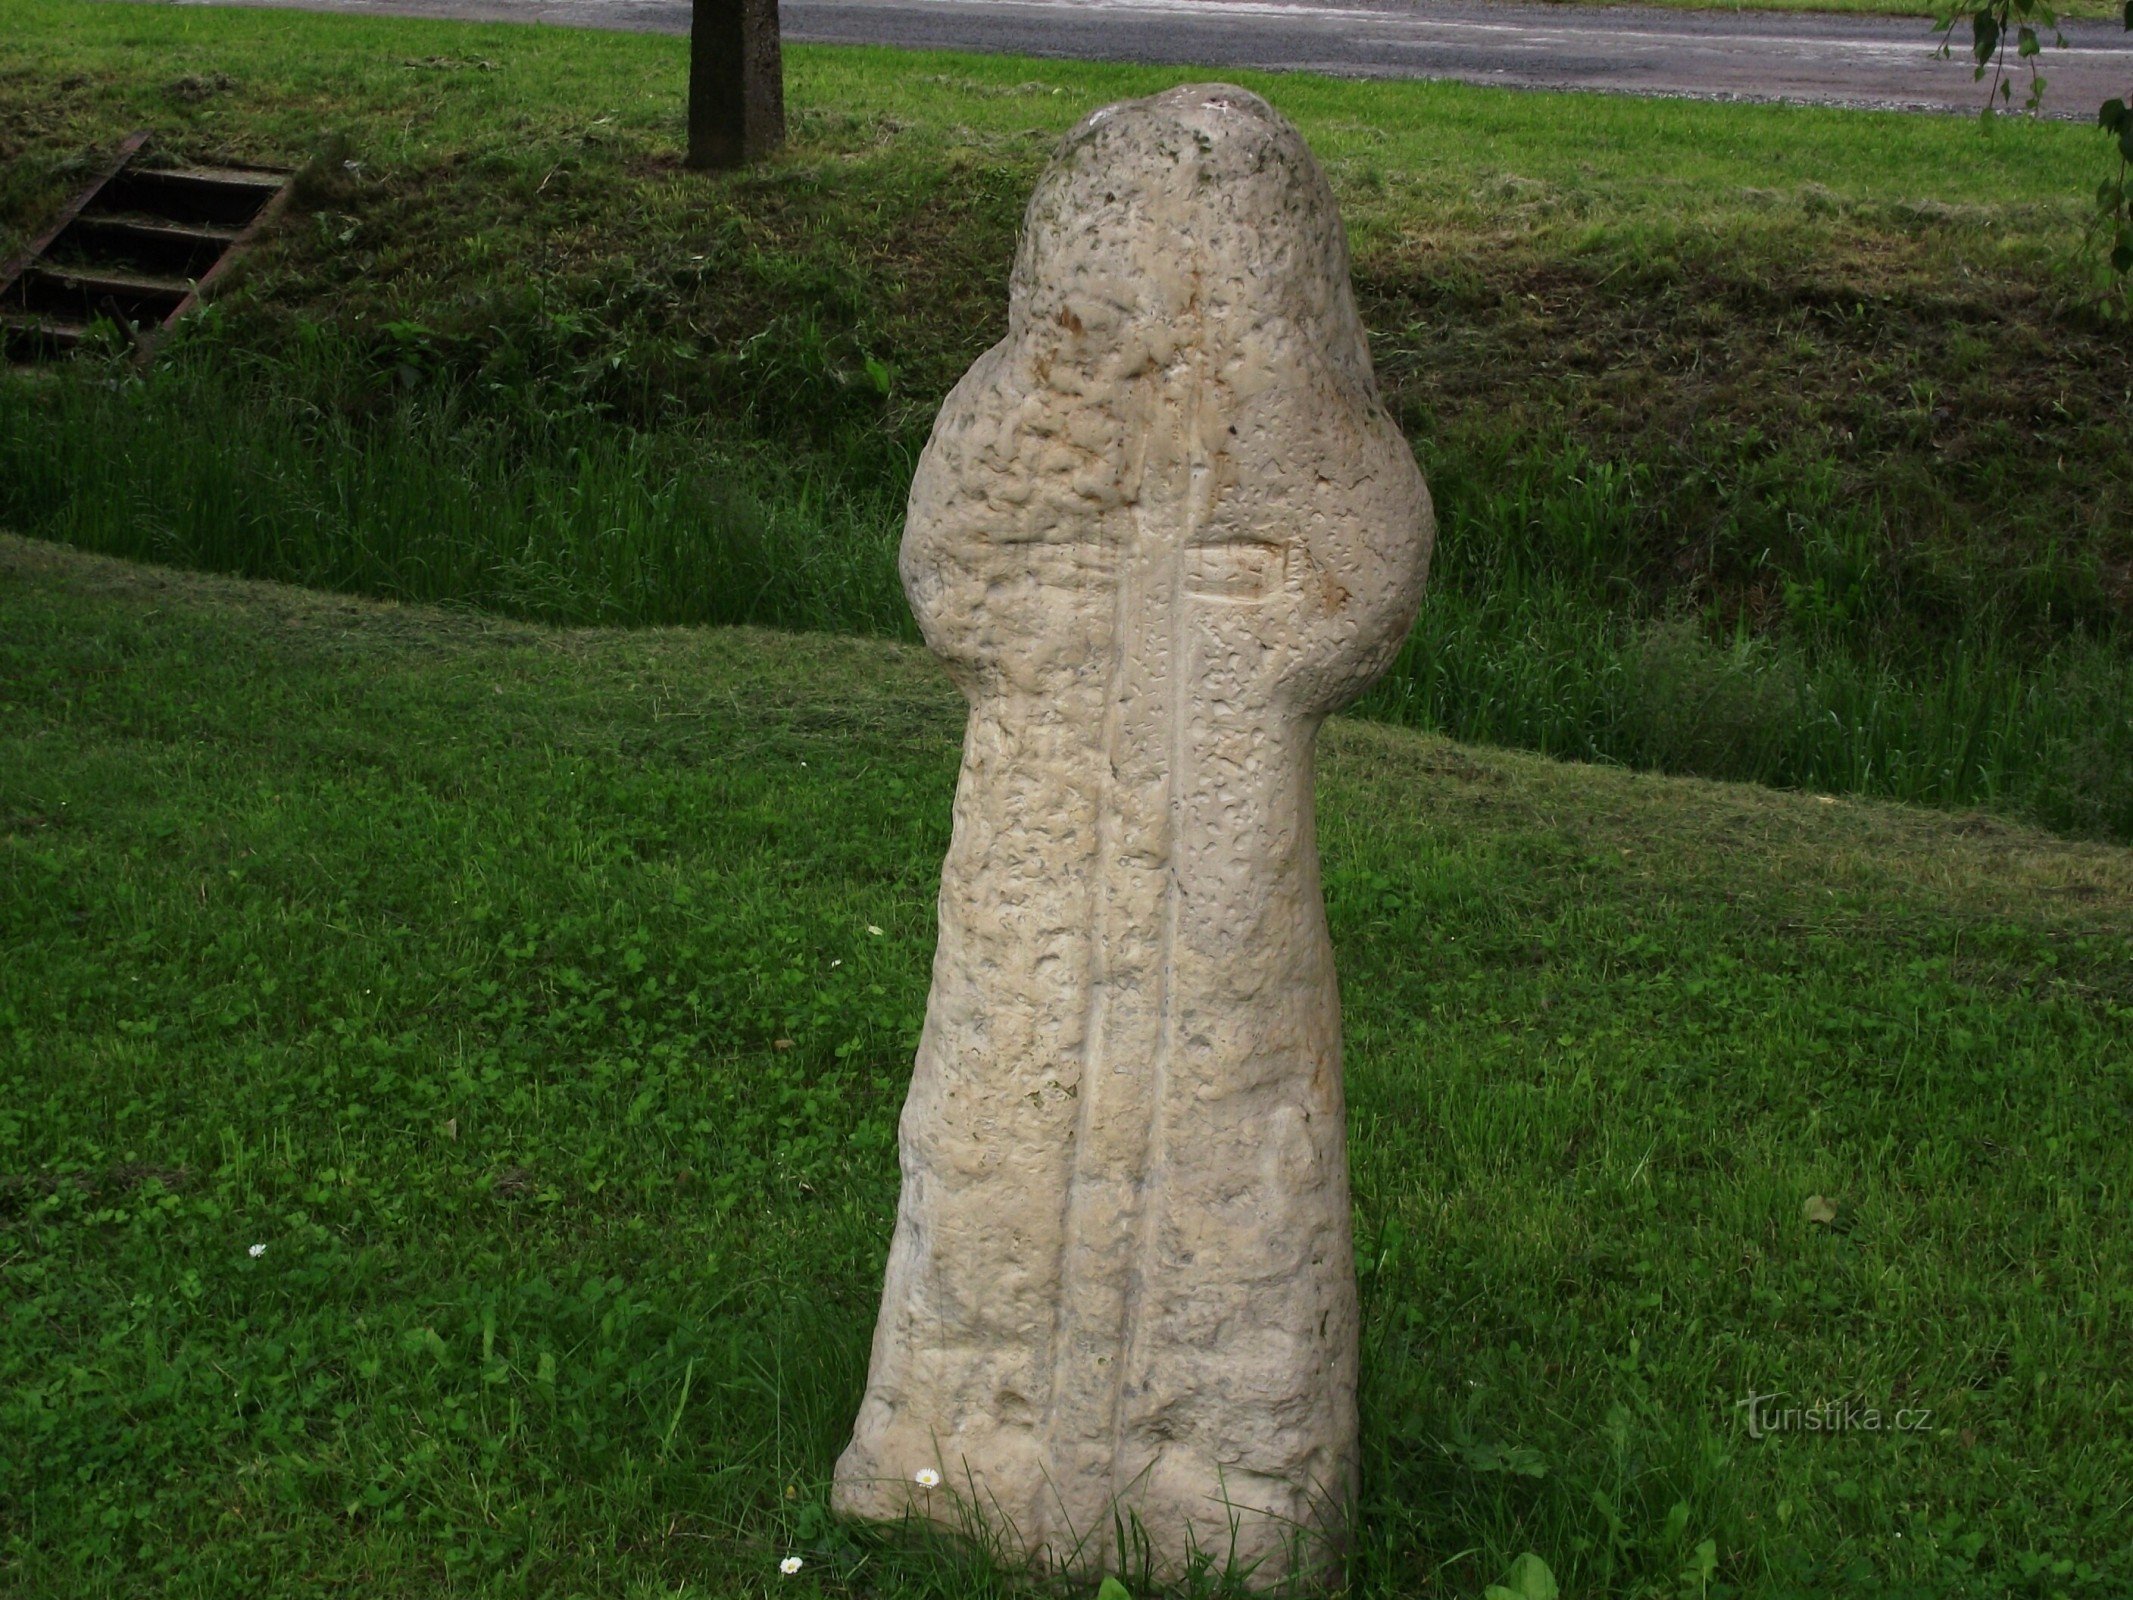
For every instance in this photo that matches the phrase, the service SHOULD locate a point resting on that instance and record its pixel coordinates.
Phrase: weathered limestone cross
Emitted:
(1159, 532)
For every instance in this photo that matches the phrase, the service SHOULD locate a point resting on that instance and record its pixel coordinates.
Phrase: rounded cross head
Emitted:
(1183, 402)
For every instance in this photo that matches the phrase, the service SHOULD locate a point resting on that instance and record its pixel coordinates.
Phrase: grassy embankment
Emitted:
(516, 989)
(1770, 443)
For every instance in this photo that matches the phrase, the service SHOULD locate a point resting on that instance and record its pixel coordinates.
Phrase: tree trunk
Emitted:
(736, 82)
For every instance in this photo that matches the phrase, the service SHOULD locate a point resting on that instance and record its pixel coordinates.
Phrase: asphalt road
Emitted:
(1885, 62)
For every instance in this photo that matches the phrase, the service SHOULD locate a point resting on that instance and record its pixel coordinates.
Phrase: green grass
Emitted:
(514, 989)
(1769, 442)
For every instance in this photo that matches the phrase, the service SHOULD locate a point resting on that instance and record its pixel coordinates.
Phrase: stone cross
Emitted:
(1160, 531)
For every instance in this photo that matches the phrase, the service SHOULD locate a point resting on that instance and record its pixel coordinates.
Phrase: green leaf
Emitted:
(1112, 1589)
(1528, 1579)
(1702, 1567)
(2110, 114)
(1518, 1459)
(1984, 36)
(1677, 1521)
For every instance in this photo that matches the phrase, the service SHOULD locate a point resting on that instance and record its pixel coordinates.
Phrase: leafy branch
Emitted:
(2114, 196)
(1992, 26)
(1995, 24)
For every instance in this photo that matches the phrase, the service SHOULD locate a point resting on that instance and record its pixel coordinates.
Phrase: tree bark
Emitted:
(736, 83)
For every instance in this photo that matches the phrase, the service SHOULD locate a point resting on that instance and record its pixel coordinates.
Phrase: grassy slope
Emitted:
(515, 989)
(1675, 370)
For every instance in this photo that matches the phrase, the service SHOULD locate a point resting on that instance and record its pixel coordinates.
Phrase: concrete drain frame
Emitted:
(138, 246)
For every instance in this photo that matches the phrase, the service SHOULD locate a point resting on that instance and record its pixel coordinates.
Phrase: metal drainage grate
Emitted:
(140, 246)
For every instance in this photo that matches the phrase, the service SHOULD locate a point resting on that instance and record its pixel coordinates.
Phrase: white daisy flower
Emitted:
(876, 932)
(790, 1565)
(256, 1251)
(927, 1478)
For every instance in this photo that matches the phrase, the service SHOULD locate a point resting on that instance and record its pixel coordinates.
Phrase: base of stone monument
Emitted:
(1234, 1547)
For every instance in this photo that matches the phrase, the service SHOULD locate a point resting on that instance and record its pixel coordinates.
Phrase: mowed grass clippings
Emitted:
(447, 1140)
(1768, 442)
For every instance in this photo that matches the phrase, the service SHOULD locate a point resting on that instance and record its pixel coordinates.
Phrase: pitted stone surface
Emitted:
(1160, 531)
